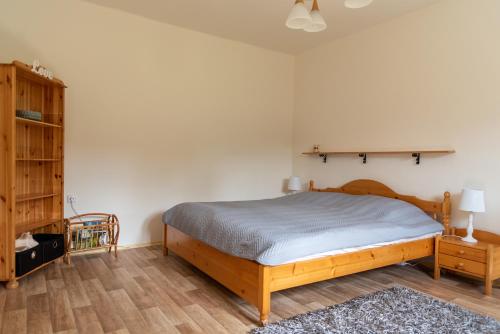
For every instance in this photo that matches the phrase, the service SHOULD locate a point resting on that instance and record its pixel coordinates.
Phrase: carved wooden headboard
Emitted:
(440, 211)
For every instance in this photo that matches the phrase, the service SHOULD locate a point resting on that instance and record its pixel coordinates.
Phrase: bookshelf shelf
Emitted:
(36, 224)
(37, 268)
(36, 123)
(38, 159)
(32, 197)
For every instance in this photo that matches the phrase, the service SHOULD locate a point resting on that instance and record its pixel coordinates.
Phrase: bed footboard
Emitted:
(247, 279)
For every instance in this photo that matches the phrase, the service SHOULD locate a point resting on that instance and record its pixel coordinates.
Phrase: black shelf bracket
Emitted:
(324, 156)
(363, 155)
(417, 158)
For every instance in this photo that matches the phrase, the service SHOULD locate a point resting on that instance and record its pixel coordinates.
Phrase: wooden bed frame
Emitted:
(255, 282)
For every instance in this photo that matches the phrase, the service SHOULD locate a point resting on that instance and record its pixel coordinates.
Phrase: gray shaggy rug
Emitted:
(395, 310)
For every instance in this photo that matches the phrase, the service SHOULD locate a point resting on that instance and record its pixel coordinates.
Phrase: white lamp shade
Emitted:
(355, 4)
(317, 24)
(294, 183)
(299, 16)
(472, 200)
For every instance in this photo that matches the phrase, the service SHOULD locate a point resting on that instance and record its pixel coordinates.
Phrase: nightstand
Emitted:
(480, 260)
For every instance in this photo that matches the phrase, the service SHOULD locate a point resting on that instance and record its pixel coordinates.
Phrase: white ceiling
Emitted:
(262, 22)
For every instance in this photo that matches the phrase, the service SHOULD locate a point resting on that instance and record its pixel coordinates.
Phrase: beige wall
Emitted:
(157, 115)
(427, 79)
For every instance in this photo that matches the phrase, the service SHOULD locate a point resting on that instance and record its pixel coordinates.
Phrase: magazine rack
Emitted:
(91, 231)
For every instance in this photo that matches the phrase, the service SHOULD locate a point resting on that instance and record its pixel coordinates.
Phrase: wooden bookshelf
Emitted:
(31, 160)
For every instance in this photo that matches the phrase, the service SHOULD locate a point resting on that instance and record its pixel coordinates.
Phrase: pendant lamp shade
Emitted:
(354, 4)
(299, 16)
(317, 21)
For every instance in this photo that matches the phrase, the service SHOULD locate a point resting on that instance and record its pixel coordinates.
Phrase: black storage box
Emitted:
(52, 245)
(28, 260)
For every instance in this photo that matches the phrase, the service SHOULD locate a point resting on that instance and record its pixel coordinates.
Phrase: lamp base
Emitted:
(470, 230)
(469, 239)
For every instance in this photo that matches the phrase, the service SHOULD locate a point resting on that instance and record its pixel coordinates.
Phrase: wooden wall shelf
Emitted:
(364, 154)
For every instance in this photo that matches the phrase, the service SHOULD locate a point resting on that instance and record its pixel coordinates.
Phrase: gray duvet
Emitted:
(274, 231)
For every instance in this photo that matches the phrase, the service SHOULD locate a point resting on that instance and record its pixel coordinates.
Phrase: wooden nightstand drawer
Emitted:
(473, 254)
(461, 264)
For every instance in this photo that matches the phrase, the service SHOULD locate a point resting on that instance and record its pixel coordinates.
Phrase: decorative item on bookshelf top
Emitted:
(37, 68)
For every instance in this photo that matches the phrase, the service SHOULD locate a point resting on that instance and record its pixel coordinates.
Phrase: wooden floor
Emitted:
(144, 292)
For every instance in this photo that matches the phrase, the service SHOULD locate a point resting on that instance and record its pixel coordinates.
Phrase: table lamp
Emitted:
(472, 201)
(294, 184)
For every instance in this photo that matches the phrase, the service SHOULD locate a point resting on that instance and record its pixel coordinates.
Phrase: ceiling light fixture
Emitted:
(317, 21)
(355, 4)
(299, 16)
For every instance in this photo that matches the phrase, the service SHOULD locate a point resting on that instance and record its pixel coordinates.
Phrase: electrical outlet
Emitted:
(71, 199)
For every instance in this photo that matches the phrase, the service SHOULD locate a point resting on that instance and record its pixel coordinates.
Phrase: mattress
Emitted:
(281, 230)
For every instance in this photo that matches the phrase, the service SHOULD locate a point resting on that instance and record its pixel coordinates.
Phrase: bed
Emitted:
(257, 247)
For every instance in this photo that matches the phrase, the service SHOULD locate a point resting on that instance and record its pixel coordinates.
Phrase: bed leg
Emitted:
(165, 249)
(437, 269)
(264, 301)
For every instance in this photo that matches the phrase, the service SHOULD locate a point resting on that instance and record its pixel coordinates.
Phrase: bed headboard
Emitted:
(440, 211)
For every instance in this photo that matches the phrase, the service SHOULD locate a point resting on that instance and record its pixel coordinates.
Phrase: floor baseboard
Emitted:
(120, 247)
